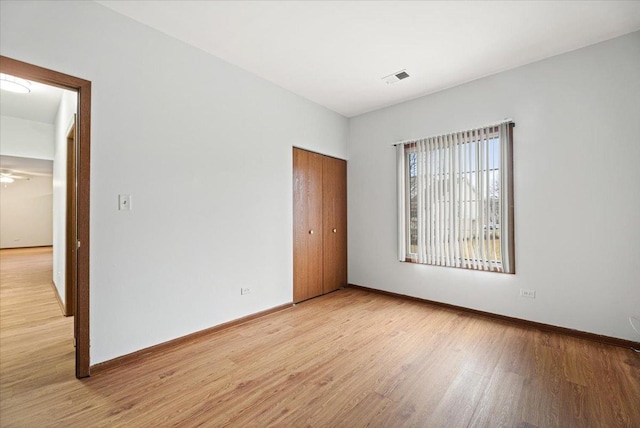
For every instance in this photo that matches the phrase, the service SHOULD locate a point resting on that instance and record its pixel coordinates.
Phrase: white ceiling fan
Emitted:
(9, 176)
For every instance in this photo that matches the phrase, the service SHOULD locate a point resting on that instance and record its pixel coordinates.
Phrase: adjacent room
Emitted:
(326, 214)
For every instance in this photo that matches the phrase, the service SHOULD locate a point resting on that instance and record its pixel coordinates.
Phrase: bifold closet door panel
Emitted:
(334, 177)
(307, 225)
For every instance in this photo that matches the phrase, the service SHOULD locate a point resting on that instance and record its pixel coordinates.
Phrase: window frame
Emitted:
(505, 166)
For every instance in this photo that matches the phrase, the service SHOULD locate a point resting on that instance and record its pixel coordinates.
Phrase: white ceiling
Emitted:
(336, 52)
(39, 105)
(26, 166)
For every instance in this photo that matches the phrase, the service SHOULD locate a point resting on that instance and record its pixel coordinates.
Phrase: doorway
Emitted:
(81, 172)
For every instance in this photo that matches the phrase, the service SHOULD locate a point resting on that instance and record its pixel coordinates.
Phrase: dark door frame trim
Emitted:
(83, 88)
(71, 222)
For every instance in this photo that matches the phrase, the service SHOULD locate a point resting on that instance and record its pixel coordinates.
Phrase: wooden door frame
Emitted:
(83, 88)
(71, 221)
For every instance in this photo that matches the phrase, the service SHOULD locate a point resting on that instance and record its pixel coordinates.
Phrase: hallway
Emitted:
(30, 316)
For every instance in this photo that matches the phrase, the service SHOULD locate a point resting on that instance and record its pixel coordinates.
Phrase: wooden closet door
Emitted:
(334, 177)
(307, 225)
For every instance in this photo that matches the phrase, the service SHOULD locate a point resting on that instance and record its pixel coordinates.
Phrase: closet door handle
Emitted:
(334, 230)
(311, 232)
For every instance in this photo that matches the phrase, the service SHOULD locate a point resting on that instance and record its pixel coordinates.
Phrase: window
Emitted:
(455, 199)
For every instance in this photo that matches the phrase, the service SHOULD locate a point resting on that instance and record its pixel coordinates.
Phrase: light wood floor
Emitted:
(348, 359)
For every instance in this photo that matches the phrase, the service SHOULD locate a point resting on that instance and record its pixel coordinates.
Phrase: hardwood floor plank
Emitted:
(351, 358)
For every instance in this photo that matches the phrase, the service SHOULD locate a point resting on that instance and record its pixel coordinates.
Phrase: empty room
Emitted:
(320, 214)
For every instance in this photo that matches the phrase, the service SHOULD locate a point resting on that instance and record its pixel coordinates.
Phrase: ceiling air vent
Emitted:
(395, 77)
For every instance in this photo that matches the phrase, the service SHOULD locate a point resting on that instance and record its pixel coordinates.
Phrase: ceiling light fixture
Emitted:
(14, 84)
(4, 179)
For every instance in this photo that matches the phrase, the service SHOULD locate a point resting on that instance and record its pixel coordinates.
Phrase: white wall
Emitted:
(25, 213)
(207, 162)
(26, 138)
(577, 204)
(63, 122)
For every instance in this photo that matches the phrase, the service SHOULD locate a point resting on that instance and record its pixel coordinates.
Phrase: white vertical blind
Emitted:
(454, 199)
(506, 203)
(402, 227)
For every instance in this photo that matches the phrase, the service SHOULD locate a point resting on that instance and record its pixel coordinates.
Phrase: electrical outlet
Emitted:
(244, 291)
(528, 293)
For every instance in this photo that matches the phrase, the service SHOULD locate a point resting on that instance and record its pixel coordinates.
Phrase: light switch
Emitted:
(124, 202)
